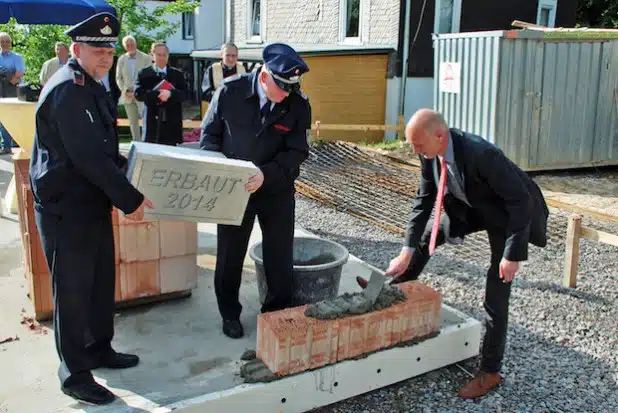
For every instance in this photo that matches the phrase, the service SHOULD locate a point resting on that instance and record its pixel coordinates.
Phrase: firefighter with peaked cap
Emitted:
(260, 117)
(76, 175)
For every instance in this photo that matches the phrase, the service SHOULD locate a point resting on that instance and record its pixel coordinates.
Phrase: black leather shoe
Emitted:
(232, 328)
(89, 393)
(114, 360)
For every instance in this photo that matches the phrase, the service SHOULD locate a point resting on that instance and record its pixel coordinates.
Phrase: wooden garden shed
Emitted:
(346, 85)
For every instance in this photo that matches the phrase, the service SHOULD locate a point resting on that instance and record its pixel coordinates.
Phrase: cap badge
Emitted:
(297, 71)
(106, 30)
(106, 19)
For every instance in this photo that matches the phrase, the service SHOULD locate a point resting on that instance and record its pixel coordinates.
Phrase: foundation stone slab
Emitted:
(190, 184)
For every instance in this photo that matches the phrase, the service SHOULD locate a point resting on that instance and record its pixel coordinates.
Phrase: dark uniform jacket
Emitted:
(501, 196)
(278, 146)
(75, 167)
(163, 120)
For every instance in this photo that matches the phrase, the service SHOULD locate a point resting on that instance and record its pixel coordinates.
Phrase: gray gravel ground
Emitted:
(562, 348)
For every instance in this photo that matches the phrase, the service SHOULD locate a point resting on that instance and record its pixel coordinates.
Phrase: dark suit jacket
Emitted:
(502, 197)
(112, 82)
(163, 120)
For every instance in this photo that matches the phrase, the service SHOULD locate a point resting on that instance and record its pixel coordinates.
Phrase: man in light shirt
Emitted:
(52, 65)
(128, 66)
(12, 69)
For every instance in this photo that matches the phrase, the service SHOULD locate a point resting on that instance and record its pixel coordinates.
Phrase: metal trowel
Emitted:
(375, 285)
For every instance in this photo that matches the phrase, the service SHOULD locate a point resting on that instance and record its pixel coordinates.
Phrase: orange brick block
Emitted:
(116, 229)
(288, 342)
(178, 273)
(139, 279)
(115, 216)
(177, 238)
(139, 241)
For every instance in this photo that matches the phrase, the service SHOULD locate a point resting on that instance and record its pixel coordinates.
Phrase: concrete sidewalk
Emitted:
(183, 351)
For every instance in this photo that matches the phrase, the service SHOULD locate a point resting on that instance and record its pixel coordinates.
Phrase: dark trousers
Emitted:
(275, 214)
(80, 256)
(497, 295)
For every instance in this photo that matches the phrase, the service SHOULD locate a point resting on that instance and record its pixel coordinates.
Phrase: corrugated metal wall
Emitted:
(548, 104)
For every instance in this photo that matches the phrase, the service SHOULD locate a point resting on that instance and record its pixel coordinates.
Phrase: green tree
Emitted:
(597, 13)
(147, 25)
(36, 42)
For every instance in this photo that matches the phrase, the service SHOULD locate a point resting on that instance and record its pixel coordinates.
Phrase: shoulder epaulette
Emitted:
(78, 78)
(232, 78)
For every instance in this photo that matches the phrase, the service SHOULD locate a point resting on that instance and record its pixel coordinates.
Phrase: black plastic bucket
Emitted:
(317, 269)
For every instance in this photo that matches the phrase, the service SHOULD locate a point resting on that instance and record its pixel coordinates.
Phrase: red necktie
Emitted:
(438, 208)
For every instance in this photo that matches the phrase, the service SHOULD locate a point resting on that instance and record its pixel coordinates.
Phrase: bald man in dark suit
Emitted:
(482, 190)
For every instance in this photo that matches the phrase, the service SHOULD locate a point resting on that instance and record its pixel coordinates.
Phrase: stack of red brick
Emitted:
(289, 342)
(152, 257)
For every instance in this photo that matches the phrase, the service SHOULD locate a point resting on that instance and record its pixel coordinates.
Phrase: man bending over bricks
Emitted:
(478, 188)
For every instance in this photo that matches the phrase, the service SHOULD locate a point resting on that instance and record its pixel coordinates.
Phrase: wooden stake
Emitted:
(571, 255)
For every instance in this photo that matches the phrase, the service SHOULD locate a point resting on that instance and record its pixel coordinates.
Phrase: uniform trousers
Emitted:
(497, 294)
(80, 256)
(275, 214)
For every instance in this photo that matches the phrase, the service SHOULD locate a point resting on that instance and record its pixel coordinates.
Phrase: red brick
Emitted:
(324, 336)
(289, 342)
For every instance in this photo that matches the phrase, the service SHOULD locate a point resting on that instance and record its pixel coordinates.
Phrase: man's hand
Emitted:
(508, 270)
(129, 95)
(399, 264)
(164, 95)
(255, 182)
(138, 214)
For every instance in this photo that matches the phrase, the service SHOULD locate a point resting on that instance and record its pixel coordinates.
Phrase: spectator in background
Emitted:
(216, 72)
(129, 65)
(109, 82)
(163, 107)
(12, 69)
(52, 65)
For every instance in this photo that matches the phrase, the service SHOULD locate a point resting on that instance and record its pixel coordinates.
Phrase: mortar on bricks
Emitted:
(316, 273)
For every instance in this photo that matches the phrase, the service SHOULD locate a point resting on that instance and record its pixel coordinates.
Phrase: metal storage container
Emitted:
(548, 99)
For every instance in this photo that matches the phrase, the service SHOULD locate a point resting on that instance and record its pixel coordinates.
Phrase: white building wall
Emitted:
(175, 42)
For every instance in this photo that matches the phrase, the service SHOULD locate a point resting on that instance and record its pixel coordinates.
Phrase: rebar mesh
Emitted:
(380, 190)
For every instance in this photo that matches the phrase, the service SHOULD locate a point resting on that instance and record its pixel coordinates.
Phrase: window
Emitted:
(544, 17)
(350, 23)
(447, 16)
(188, 25)
(546, 14)
(254, 21)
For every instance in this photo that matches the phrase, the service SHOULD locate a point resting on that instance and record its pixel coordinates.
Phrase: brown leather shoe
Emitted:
(482, 383)
(362, 282)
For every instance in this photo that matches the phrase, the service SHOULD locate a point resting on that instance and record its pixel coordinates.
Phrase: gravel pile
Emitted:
(562, 348)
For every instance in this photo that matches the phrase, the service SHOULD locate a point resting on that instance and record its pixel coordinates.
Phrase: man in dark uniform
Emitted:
(260, 117)
(76, 175)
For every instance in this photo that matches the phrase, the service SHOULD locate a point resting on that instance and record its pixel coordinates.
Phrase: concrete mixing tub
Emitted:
(316, 273)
